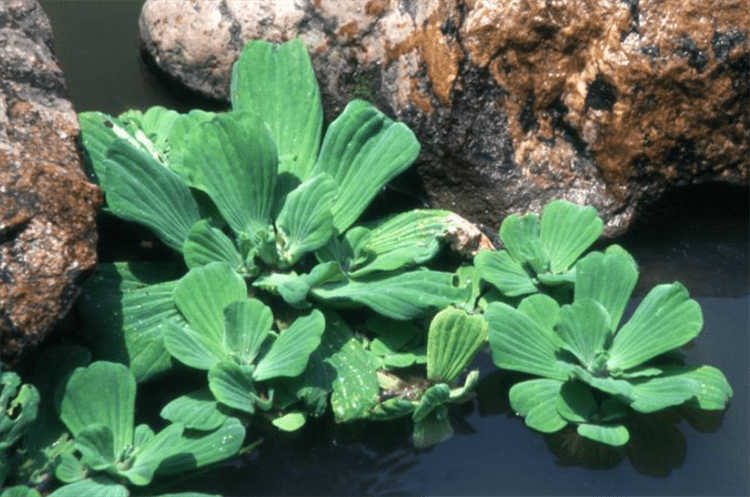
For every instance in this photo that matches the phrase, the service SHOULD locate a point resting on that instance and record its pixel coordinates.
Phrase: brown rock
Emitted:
(516, 102)
(47, 207)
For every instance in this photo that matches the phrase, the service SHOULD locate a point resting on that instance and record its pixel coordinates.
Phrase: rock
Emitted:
(47, 206)
(516, 102)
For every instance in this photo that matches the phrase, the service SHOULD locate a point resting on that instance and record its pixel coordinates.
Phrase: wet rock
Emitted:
(47, 206)
(516, 102)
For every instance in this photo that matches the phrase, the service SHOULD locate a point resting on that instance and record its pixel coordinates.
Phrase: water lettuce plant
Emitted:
(592, 370)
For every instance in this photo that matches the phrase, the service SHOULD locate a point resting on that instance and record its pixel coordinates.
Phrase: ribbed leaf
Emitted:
(290, 352)
(151, 454)
(584, 327)
(567, 230)
(536, 401)
(608, 279)
(193, 349)
(432, 429)
(433, 397)
(69, 469)
(203, 293)
(521, 344)
(504, 273)
(665, 319)
(362, 151)
(614, 435)
(142, 190)
(198, 449)
(155, 125)
(205, 245)
(714, 390)
(403, 296)
(96, 445)
(542, 309)
(453, 340)
(91, 487)
(277, 82)
(179, 133)
(405, 239)
(233, 158)
(520, 235)
(575, 402)
(233, 385)
(305, 222)
(248, 323)
(198, 410)
(655, 394)
(102, 393)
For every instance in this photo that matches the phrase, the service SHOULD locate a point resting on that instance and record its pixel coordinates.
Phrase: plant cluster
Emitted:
(261, 209)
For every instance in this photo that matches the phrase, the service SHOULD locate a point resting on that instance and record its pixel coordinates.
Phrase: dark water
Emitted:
(698, 236)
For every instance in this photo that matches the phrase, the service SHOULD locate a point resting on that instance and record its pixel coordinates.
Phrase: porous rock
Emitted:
(47, 206)
(515, 102)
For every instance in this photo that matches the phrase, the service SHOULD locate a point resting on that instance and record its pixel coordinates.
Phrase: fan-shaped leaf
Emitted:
(504, 273)
(96, 444)
(453, 340)
(290, 352)
(664, 320)
(151, 454)
(520, 234)
(142, 190)
(608, 279)
(432, 429)
(362, 151)
(714, 390)
(102, 393)
(233, 385)
(567, 230)
(193, 349)
(614, 435)
(584, 327)
(198, 410)
(305, 222)
(233, 158)
(92, 487)
(248, 323)
(521, 344)
(536, 401)
(575, 402)
(542, 309)
(205, 245)
(433, 397)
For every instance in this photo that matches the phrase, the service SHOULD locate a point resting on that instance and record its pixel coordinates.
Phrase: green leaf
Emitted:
(179, 134)
(19, 491)
(292, 421)
(608, 279)
(142, 190)
(96, 444)
(277, 82)
(151, 454)
(504, 273)
(205, 245)
(575, 402)
(362, 151)
(102, 393)
(567, 230)
(152, 129)
(536, 401)
(198, 410)
(198, 449)
(666, 318)
(234, 159)
(91, 487)
(655, 394)
(233, 385)
(248, 323)
(203, 293)
(69, 469)
(584, 327)
(714, 390)
(290, 352)
(453, 340)
(402, 296)
(18, 408)
(521, 344)
(406, 239)
(614, 435)
(432, 429)
(305, 223)
(433, 397)
(520, 235)
(542, 309)
(193, 349)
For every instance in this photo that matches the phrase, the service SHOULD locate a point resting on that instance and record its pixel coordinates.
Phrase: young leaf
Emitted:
(607, 278)
(584, 327)
(362, 151)
(290, 352)
(248, 323)
(277, 82)
(234, 159)
(233, 385)
(103, 393)
(504, 273)
(197, 410)
(567, 230)
(453, 340)
(18, 408)
(521, 344)
(203, 293)
(520, 234)
(141, 190)
(290, 422)
(536, 401)
(151, 454)
(664, 320)
(206, 244)
(305, 222)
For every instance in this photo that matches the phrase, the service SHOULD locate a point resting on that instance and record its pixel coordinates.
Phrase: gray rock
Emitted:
(47, 206)
(516, 102)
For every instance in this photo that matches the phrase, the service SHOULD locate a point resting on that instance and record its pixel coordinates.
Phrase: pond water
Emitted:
(698, 236)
